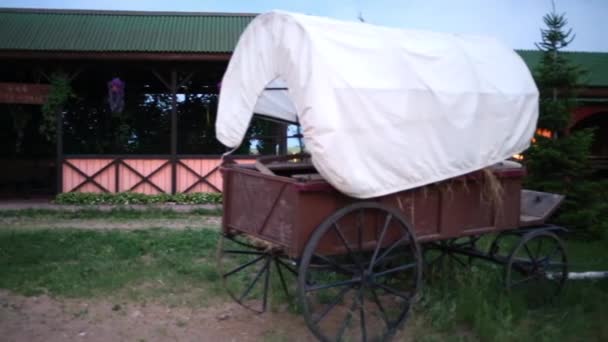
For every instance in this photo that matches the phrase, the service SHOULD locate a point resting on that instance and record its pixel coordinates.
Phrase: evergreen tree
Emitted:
(557, 161)
(557, 77)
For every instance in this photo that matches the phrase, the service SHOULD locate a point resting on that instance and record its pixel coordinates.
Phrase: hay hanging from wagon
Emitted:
(491, 189)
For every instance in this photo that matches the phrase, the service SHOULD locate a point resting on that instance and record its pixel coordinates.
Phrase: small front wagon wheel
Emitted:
(359, 275)
(537, 268)
(250, 271)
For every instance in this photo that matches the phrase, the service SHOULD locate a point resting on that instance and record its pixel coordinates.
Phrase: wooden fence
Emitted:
(143, 174)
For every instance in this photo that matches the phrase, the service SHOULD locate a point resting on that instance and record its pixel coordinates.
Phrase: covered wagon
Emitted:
(406, 138)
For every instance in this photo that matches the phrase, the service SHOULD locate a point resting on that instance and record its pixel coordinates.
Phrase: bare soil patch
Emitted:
(180, 223)
(43, 318)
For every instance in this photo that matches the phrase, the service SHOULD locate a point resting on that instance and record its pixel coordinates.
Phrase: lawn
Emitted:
(177, 267)
(469, 305)
(152, 263)
(113, 214)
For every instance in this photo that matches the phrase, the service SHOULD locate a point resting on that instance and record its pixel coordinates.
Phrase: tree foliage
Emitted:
(557, 77)
(558, 161)
(59, 94)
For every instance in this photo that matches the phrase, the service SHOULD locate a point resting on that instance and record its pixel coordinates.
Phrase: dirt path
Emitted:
(46, 319)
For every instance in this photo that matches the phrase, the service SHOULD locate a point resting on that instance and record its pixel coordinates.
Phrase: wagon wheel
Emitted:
(249, 270)
(360, 272)
(537, 268)
(443, 255)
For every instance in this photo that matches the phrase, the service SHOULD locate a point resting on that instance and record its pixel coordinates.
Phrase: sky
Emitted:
(516, 22)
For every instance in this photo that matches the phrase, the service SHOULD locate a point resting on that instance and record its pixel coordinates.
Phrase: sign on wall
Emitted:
(23, 93)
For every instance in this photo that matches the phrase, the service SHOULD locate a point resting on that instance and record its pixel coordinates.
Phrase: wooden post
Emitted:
(173, 131)
(280, 132)
(117, 162)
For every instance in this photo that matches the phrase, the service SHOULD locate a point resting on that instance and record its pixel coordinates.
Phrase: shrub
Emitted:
(125, 198)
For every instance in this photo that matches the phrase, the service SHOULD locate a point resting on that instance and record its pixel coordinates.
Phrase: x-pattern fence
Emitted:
(150, 175)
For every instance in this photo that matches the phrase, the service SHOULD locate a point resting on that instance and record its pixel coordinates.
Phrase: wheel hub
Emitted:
(366, 278)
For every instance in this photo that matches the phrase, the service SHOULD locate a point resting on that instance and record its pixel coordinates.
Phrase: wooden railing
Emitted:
(154, 174)
(149, 174)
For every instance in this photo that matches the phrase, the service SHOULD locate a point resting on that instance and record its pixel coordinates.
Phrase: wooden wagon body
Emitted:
(285, 210)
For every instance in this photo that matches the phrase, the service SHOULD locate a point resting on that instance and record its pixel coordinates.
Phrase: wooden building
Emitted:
(170, 63)
(157, 136)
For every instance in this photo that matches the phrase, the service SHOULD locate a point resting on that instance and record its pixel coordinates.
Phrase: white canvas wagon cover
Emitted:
(381, 109)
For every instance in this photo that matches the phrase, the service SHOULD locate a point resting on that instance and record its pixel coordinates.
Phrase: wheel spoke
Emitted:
(557, 277)
(362, 315)
(287, 267)
(454, 257)
(277, 265)
(266, 283)
(360, 230)
(349, 316)
(396, 269)
(333, 304)
(351, 254)
(522, 281)
(538, 249)
(391, 247)
(522, 266)
(255, 280)
(555, 251)
(393, 291)
(243, 266)
(435, 259)
(529, 253)
(389, 217)
(332, 285)
(380, 307)
(334, 264)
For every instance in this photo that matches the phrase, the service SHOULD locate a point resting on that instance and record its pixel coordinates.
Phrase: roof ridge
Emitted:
(123, 13)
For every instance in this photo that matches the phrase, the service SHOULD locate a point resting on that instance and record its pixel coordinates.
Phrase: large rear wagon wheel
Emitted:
(360, 273)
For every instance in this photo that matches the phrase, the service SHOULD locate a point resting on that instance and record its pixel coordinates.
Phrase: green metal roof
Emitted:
(38, 30)
(595, 63)
(109, 31)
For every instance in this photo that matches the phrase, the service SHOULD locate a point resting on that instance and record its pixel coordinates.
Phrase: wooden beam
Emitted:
(125, 56)
(162, 79)
(185, 80)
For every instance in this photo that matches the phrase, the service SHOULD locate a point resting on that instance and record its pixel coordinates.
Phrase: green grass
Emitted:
(141, 264)
(178, 267)
(469, 305)
(113, 214)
